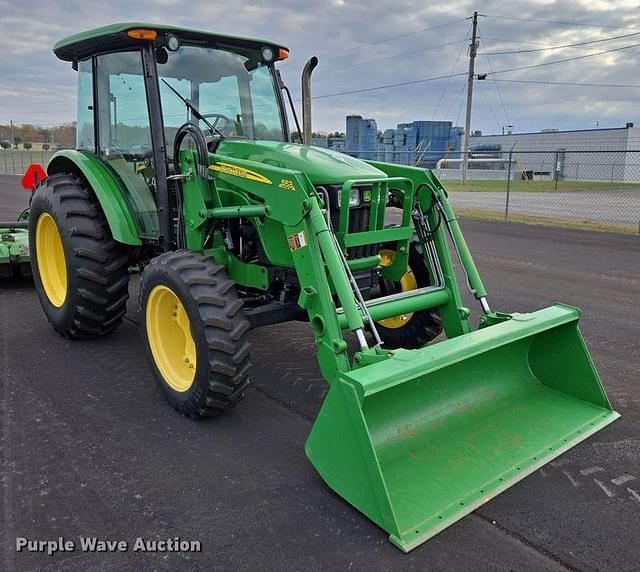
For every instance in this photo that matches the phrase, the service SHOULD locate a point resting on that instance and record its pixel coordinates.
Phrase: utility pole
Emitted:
(13, 139)
(473, 48)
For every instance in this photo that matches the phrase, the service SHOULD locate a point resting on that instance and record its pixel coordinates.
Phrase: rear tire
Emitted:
(421, 327)
(80, 273)
(195, 333)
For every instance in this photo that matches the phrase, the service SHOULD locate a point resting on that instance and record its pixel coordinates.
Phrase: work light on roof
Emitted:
(171, 42)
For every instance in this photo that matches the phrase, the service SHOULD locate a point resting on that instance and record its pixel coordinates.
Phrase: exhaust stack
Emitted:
(306, 99)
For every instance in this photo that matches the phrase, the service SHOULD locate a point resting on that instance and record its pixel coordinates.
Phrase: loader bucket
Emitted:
(425, 437)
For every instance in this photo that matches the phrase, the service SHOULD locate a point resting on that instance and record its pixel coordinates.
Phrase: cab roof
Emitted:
(114, 37)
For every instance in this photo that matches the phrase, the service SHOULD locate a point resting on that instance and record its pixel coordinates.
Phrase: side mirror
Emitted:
(162, 56)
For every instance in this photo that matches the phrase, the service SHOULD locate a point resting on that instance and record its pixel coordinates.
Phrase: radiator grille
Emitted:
(358, 220)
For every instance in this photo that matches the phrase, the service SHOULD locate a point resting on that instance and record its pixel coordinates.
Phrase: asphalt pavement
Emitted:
(90, 448)
(13, 198)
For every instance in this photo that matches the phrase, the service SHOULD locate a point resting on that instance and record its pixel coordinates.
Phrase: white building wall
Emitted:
(632, 164)
(541, 152)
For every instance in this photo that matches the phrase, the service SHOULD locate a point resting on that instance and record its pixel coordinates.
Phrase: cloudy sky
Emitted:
(365, 44)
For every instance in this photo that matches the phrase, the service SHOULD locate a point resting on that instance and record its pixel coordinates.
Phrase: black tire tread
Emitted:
(100, 264)
(225, 328)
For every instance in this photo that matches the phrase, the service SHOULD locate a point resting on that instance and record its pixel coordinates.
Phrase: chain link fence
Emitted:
(15, 161)
(597, 190)
(586, 189)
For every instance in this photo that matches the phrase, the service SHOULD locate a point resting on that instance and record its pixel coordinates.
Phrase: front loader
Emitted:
(185, 167)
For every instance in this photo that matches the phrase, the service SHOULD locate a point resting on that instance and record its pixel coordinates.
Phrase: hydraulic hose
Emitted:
(193, 131)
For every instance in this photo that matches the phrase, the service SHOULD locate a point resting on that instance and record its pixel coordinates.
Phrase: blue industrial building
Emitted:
(418, 143)
(362, 137)
(337, 143)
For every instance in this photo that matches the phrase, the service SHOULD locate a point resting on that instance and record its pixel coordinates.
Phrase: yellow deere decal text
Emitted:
(228, 169)
(288, 185)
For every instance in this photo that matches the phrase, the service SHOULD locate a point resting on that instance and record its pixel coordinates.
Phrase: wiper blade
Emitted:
(190, 105)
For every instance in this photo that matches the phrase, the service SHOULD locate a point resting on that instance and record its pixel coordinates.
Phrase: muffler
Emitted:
(306, 99)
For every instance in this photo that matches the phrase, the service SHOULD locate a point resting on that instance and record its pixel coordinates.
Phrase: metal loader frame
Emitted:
(301, 213)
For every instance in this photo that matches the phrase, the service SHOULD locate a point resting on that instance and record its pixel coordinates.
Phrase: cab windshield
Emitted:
(236, 93)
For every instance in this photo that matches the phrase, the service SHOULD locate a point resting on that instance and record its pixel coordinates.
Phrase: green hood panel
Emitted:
(322, 166)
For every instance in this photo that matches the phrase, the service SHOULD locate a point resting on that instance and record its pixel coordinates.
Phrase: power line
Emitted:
(571, 83)
(565, 59)
(387, 86)
(331, 70)
(446, 85)
(454, 102)
(528, 42)
(502, 53)
(493, 112)
(499, 92)
(391, 38)
(461, 102)
(561, 23)
(504, 109)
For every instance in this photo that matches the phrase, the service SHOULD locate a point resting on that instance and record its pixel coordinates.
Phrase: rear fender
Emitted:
(105, 187)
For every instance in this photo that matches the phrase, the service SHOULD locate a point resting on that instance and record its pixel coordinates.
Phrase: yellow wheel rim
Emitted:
(407, 282)
(52, 265)
(170, 338)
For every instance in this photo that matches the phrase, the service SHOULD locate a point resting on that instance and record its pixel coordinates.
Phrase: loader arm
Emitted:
(290, 200)
(300, 229)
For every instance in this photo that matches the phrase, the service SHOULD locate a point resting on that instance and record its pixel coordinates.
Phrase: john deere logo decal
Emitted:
(288, 185)
(241, 172)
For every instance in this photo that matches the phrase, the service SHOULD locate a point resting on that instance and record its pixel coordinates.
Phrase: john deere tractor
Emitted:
(185, 166)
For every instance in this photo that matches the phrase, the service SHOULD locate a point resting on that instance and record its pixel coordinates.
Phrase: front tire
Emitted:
(195, 333)
(80, 273)
(414, 330)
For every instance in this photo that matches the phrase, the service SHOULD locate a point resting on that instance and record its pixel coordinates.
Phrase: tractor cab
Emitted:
(139, 83)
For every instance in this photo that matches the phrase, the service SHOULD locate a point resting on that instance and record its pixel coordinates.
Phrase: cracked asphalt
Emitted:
(90, 448)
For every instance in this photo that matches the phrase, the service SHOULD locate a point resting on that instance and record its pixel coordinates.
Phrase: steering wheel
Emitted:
(228, 122)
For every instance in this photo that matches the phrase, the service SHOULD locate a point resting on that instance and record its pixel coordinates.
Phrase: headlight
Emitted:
(267, 55)
(354, 198)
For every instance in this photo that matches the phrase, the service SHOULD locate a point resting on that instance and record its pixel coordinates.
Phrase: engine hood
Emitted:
(322, 166)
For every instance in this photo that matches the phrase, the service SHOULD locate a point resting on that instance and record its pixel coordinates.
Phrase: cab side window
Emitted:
(85, 131)
(124, 133)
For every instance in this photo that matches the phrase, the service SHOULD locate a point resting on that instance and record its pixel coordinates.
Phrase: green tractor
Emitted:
(185, 167)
